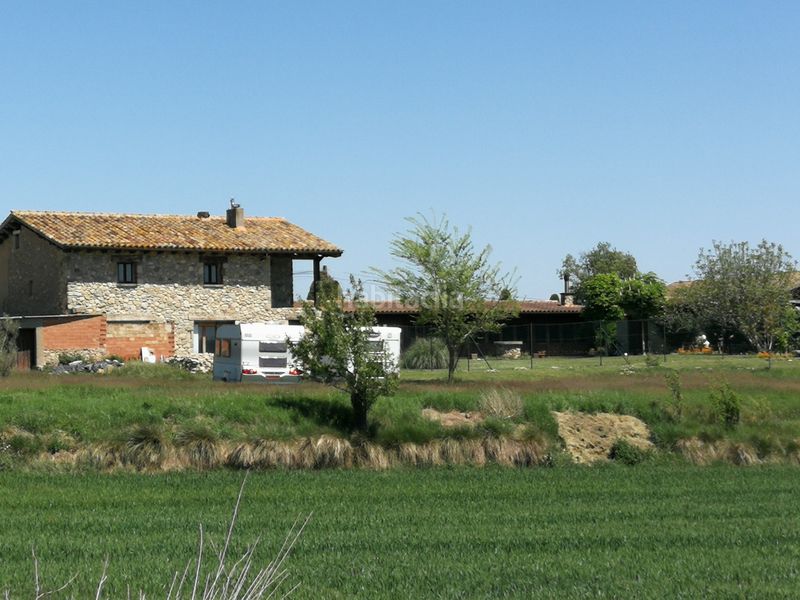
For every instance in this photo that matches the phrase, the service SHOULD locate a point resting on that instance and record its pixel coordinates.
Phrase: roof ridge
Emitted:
(128, 215)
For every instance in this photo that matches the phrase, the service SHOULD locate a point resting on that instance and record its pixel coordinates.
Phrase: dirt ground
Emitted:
(589, 437)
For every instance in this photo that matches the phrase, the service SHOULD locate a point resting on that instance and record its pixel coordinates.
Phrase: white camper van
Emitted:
(259, 351)
(387, 339)
(256, 352)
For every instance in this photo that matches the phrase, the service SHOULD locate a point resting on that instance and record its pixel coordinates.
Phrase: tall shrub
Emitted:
(8, 345)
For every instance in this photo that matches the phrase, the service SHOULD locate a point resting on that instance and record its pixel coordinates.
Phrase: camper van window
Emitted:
(271, 362)
(223, 348)
(272, 346)
(376, 346)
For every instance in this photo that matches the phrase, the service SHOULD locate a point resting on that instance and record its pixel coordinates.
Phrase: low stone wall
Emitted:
(90, 355)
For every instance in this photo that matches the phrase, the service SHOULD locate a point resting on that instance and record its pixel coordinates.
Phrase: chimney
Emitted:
(235, 215)
(567, 297)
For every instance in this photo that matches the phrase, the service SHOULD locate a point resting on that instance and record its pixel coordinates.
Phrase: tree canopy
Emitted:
(336, 349)
(456, 289)
(609, 297)
(740, 289)
(603, 259)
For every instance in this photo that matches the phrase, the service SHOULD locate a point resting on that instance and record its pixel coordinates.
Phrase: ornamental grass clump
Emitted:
(501, 403)
(425, 353)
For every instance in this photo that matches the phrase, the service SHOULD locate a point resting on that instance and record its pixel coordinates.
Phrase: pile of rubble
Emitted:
(199, 363)
(85, 366)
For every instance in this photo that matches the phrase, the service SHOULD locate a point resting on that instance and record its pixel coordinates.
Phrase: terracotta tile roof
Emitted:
(672, 288)
(547, 306)
(394, 307)
(171, 232)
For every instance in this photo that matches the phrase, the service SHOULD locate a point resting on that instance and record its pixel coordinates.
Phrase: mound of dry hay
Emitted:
(589, 437)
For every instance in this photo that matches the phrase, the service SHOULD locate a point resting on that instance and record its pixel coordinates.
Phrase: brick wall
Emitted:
(72, 333)
(85, 336)
(126, 338)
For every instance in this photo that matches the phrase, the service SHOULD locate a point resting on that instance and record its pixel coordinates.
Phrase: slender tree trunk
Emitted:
(452, 361)
(644, 346)
(360, 409)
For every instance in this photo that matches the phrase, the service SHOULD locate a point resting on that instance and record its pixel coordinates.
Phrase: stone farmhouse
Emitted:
(110, 284)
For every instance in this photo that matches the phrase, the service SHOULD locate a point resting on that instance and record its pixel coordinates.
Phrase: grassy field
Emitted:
(661, 528)
(44, 414)
(645, 532)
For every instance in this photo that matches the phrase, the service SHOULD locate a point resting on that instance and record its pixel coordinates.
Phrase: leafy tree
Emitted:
(601, 296)
(336, 350)
(455, 288)
(327, 284)
(608, 298)
(741, 289)
(643, 296)
(603, 259)
(8, 345)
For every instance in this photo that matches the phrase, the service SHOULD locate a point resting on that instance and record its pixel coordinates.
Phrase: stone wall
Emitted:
(170, 289)
(35, 276)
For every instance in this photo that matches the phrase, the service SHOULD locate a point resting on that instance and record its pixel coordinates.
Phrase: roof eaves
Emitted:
(14, 215)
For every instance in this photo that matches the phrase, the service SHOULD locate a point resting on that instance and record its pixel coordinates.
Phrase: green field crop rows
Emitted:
(644, 532)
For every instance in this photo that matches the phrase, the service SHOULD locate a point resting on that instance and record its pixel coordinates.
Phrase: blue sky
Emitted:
(546, 127)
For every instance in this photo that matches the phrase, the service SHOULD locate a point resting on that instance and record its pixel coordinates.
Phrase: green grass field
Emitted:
(41, 413)
(660, 529)
(576, 532)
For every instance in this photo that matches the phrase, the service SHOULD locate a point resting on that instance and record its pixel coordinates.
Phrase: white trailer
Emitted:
(260, 352)
(387, 339)
(256, 352)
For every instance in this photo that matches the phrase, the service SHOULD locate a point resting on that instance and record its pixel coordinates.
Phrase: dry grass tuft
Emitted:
(198, 447)
(703, 453)
(515, 453)
(501, 403)
(145, 448)
(420, 455)
(743, 455)
(373, 456)
(199, 454)
(264, 454)
(325, 452)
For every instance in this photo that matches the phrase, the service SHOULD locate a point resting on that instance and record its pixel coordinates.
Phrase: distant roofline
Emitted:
(395, 307)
